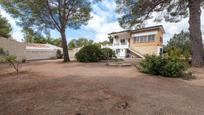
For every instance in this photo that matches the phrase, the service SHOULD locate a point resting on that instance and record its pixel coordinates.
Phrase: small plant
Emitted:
(157, 65)
(90, 53)
(59, 54)
(108, 54)
(11, 59)
(2, 52)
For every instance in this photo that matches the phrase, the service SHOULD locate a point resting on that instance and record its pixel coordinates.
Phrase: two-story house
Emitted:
(137, 43)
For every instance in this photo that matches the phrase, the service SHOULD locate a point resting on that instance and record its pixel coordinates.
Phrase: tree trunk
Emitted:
(64, 46)
(195, 33)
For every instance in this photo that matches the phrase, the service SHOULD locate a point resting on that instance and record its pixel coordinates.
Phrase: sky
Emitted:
(104, 21)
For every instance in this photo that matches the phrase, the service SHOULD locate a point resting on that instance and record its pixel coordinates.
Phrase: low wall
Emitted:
(13, 47)
(38, 55)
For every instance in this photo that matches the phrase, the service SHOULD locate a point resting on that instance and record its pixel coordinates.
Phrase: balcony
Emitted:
(116, 46)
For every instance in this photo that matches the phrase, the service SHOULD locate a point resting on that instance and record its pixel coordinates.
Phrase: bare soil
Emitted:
(55, 88)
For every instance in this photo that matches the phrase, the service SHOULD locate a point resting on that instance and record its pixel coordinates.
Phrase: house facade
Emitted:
(137, 43)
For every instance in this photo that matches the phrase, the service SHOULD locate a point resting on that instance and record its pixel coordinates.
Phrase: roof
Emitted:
(141, 29)
(34, 46)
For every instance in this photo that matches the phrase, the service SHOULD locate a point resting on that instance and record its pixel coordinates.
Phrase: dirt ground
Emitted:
(55, 88)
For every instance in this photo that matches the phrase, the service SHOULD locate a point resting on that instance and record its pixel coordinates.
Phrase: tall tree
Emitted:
(180, 41)
(5, 27)
(53, 14)
(135, 12)
(28, 35)
(34, 37)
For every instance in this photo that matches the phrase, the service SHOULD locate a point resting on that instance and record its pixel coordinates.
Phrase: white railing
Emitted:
(116, 46)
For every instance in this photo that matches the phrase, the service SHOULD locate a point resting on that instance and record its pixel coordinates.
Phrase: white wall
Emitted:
(40, 54)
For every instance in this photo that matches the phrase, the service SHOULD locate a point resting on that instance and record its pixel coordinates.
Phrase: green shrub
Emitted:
(90, 53)
(12, 60)
(157, 65)
(172, 69)
(174, 53)
(108, 54)
(2, 52)
(59, 54)
(152, 64)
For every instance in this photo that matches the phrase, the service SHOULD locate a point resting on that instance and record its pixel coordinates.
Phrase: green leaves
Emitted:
(135, 12)
(157, 65)
(51, 14)
(79, 43)
(180, 42)
(90, 53)
(10, 58)
(5, 27)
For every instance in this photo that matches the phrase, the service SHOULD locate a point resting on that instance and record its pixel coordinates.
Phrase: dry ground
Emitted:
(54, 88)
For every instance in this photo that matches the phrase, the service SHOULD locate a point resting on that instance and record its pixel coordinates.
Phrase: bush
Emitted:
(108, 54)
(151, 64)
(59, 54)
(90, 53)
(172, 69)
(2, 52)
(174, 53)
(157, 65)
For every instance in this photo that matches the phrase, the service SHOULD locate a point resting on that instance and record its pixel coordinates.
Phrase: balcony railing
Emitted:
(116, 46)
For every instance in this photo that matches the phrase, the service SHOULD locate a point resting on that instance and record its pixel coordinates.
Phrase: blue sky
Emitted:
(104, 21)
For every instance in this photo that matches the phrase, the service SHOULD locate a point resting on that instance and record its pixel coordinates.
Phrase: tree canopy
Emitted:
(50, 14)
(34, 37)
(76, 43)
(135, 12)
(5, 27)
(181, 41)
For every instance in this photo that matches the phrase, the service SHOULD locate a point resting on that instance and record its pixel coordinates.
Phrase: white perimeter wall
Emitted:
(40, 54)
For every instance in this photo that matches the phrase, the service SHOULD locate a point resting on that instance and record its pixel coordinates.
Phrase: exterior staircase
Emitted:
(136, 53)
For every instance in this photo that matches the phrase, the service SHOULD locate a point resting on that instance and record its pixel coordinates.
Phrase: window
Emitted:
(161, 39)
(116, 37)
(136, 39)
(117, 51)
(160, 51)
(151, 38)
(122, 41)
(144, 39)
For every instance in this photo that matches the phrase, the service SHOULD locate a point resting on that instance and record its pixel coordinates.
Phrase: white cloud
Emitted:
(102, 22)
